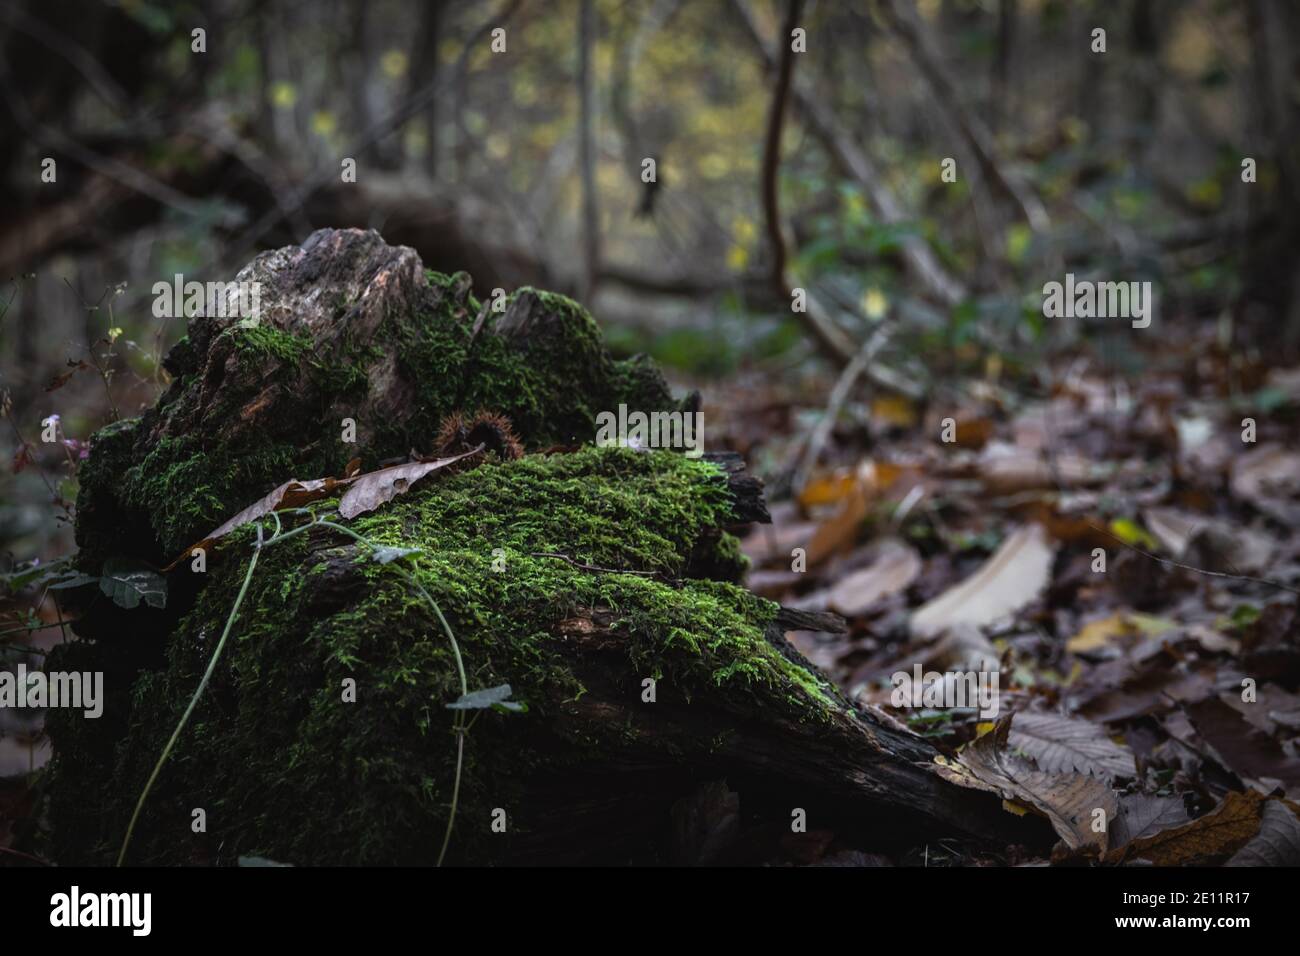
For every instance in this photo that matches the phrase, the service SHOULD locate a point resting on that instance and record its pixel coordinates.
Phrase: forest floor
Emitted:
(1122, 549)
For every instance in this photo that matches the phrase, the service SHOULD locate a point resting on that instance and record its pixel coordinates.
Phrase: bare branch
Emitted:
(831, 339)
(854, 162)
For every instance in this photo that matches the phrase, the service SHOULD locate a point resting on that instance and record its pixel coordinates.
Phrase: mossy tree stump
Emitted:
(576, 574)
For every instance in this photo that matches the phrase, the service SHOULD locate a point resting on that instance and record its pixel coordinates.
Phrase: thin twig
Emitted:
(591, 567)
(1188, 567)
(25, 856)
(839, 394)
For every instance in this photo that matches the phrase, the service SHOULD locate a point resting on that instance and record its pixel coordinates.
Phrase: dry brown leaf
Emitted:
(973, 432)
(1012, 577)
(291, 494)
(1219, 833)
(1242, 747)
(371, 490)
(838, 532)
(1153, 688)
(1005, 469)
(828, 489)
(1217, 545)
(1276, 844)
(895, 568)
(1172, 528)
(1062, 744)
(1269, 479)
(1098, 634)
(894, 410)
(1268, 472)
(1068, 800)
(1144, 815)
(869, 477)
(777, 540)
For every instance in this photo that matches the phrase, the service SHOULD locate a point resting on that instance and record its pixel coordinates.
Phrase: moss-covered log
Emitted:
(576, 574)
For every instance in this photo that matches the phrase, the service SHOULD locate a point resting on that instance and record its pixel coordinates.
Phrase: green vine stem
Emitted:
(207, 675)
(458, 723)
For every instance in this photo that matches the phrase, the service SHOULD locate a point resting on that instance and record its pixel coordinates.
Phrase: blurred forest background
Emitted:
(525, 167)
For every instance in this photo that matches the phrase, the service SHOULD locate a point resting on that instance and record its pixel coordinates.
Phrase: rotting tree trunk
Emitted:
(582, 576)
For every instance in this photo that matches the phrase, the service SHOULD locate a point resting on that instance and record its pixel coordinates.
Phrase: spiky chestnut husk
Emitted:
(458, 434)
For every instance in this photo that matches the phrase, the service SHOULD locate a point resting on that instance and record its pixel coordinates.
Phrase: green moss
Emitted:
(370, 781)
(99, 478)
(287, 347)
(521, 556)
(184, 484)
(550, 385)
(181, 486)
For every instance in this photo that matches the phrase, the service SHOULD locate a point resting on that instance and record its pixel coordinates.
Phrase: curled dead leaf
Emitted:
(1012, 577)
(1070, 801)
(1221, 832)
(291, 494)
(1276, 844)
(369, 491)
(896, 566)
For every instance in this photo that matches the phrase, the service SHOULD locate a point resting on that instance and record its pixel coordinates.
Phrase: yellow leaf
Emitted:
(393, 63)
(737, 258)
(1099, 633)
(896, 410)
(1150, 625)
(714, 166)
(827, 489)
(1018, 238)
(283, 95)
(875, 304)
(1012, 807)
(323, 123)
(744, 230)
(1132, 533)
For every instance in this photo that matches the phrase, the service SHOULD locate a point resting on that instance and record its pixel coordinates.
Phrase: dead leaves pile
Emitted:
(1159, 686)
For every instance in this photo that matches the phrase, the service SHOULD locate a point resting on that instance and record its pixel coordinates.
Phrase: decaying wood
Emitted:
(848, 768)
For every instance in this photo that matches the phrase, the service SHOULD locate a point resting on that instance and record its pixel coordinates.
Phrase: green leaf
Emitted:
(34, 573)
(259, 861)
(130, 582)
(385, 555)
(497, 698)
